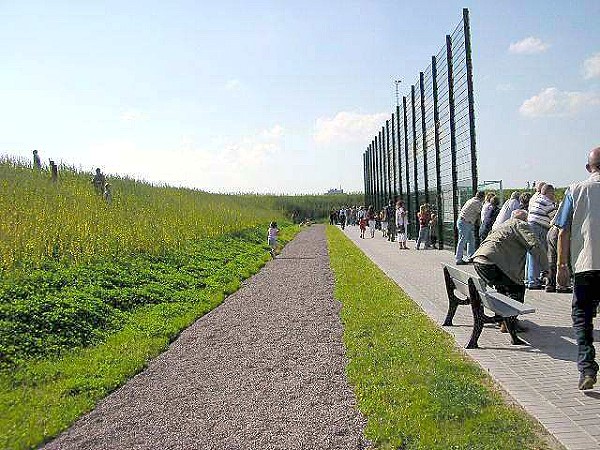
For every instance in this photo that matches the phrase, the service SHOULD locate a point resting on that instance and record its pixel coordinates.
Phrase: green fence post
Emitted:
(455, 205)
(438, 164)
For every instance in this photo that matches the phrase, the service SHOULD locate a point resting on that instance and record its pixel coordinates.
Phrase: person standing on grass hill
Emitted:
(509, 206)
(99, 181)
(401, 225)
(107, 194)
(541, 206)
(390, 216)
(467, 218)
(578, 221)
(272, 238)
(37, 162)
(500, 259)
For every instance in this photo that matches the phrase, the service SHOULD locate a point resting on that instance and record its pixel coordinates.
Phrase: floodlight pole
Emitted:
(397, 83)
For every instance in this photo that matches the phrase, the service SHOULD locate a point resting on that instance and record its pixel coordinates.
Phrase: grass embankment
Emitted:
(90, 291)
(121, 313)
(412, 384)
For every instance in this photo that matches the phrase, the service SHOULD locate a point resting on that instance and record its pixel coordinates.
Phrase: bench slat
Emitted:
(504, 305)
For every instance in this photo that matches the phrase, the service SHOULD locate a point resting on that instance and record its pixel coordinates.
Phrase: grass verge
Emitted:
(41, 397)
(416, 389)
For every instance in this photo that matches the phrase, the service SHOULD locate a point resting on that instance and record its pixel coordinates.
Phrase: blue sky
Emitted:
(272, 96)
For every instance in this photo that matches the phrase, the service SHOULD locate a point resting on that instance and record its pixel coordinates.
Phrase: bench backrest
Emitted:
(461, 280)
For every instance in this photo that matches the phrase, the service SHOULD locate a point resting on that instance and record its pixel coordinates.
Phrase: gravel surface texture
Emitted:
(265, 370)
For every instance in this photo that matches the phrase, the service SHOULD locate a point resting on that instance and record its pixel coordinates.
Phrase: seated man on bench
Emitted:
(500, 259)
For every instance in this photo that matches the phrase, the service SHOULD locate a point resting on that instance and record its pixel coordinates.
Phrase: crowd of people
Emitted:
(392, 221)
(529, 242)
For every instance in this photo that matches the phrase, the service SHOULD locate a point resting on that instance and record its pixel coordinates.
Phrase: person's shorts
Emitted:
(272, 242)
(401, 229)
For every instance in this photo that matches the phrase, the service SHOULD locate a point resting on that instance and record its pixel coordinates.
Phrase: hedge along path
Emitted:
(266, 369)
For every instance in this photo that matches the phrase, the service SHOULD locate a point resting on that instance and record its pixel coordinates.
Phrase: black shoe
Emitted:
(461, 263)
(563, 290)
(586, 382)
(535, 287)
(550, 288)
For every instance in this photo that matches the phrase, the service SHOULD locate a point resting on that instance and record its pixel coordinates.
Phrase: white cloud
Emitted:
(348, 127)
(591, 67)
(552, 102)
(233, 85)
(528, 46)
(132, 115)
(236, 166)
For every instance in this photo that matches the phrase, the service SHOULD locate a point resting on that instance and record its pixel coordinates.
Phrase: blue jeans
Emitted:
(533, 264)
(465, 236)
(423, 237)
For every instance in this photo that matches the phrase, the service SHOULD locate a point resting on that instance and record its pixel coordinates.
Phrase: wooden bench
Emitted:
(474, 292)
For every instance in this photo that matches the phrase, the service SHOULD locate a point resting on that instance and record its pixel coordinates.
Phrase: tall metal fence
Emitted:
(425, 153)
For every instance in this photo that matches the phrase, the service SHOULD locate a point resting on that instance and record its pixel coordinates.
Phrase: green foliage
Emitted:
(89, 328)
(61, 306)
(415, 388)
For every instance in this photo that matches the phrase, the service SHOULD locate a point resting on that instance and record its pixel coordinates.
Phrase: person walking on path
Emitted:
(500, 259)
(362, 221)
(578, 221)
(467, 218)
(272, 238)
(342, 217)
(390, 215)
(541, 207)
(401, 225)
(371, 220)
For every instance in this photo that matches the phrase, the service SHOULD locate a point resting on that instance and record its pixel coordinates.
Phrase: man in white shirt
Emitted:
(579, 222)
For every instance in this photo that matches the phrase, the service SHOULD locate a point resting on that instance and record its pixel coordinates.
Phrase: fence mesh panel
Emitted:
(420, 168)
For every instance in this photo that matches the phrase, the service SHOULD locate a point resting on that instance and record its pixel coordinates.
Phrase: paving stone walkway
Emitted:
(541, 377)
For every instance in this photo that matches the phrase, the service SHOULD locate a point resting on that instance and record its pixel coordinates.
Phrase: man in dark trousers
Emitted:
(578, 221)
(500, 259)
(390, 215)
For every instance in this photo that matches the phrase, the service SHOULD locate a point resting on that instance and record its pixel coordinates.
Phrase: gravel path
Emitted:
(265, 370)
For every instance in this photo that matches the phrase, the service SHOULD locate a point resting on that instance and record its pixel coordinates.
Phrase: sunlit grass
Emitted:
(412, 384)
